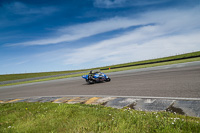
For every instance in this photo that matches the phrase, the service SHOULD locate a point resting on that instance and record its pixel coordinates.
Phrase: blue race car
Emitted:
(96, 76)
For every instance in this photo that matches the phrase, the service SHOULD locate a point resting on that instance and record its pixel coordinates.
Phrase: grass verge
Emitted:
(51, 117)
(153, 65)
(107, 71)
(151, 61)
(8, 77)
(46, 79)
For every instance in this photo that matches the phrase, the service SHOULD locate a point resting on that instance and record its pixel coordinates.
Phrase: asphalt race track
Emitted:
(180, 80)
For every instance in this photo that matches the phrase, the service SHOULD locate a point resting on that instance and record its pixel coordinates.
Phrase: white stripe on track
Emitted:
(136, 97)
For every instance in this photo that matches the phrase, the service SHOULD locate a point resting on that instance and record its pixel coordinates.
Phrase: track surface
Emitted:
(166, 81)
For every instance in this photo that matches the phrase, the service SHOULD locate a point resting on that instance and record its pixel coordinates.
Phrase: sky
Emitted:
(58, 35)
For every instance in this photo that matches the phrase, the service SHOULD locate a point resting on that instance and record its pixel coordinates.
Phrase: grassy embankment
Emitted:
(8, 77)
(51, 117)
(160, 60)
(32, 75)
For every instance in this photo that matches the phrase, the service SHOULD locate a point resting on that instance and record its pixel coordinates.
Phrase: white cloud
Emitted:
(23, 9)
(125, 48)
(79, 31)
(125, 3)
(173, 33)
(109, 3)
(18, 13)
(21, 62)
(172, 20)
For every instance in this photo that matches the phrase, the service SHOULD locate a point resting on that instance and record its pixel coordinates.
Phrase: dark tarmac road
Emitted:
(182, 81)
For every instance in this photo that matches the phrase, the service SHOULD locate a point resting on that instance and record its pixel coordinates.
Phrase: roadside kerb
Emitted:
(177, 105)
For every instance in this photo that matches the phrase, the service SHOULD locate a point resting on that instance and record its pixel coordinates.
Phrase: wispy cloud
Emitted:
(76, 32)
(173, 33)
(125, 3)
(79, 31)
(138, 45)
(22, 62)
(24, 9)
(19, 13)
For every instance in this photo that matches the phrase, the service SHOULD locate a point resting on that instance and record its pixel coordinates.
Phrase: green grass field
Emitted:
(51, 117)
(8, 77)
(152, 65)
(155, 60)
(79, 118)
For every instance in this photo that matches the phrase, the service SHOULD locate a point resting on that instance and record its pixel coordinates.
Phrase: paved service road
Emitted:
(182, 80)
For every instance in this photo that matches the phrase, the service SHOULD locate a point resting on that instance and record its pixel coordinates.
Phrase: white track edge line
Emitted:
(136, 97)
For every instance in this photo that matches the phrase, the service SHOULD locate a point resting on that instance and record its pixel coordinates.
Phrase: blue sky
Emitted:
(56, 35)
